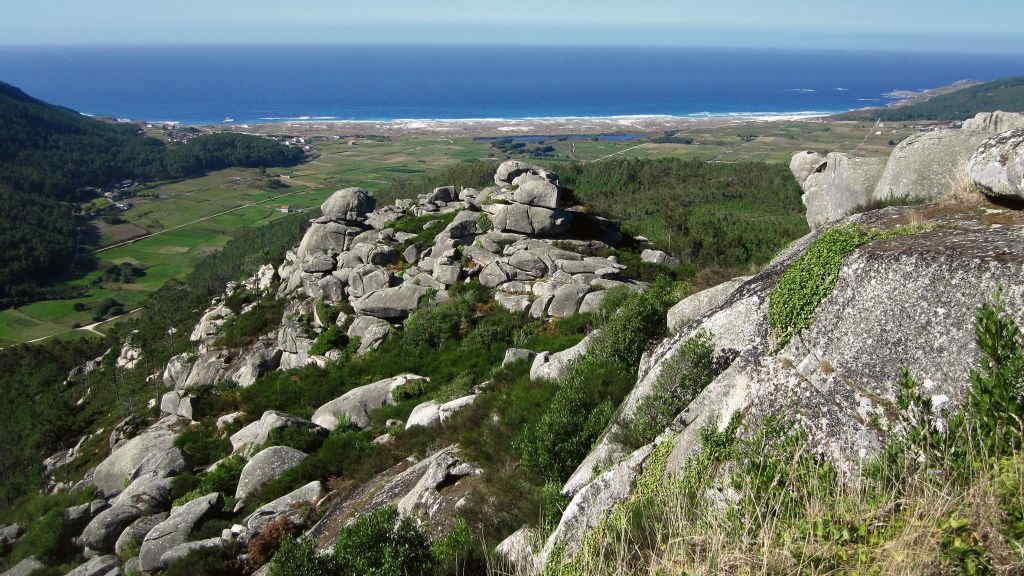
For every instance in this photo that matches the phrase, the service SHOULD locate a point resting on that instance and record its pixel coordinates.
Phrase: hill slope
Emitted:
(49, 153)
(1006, 95)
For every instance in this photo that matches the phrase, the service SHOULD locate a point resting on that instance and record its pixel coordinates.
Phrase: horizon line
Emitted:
(422, 44)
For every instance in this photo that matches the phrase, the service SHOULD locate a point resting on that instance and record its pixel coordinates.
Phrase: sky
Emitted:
(934, 25)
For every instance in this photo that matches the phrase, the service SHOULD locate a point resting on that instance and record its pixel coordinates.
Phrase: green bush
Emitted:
(48, 539)
(299, 557)
(457, 552)
(208, 562)
(244, 329)
(682, 378)
(383, 544)
(202, 445)
(331, 338)
(586, 397)
(299, 437)
(223, 479)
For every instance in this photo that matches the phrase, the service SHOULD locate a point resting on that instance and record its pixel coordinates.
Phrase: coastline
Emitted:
(492, 127)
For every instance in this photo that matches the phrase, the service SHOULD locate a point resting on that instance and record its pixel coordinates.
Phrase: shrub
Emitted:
(330, 339)
(202, 445)
(682, 378)
(298, 557)
(584, 402)
(223, 479)
(457, 552)
(383, 544)
(244, 329)
(299, 437)
(265, 545)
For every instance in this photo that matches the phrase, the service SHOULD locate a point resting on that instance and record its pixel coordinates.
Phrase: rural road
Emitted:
(194, 222)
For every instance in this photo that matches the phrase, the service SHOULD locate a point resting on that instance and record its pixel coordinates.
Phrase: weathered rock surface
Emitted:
(291, 505)
(175, 530)
(151, 453)
(928, 166)
(593, 503)
(839, 186)
(696, 305)
(995, 122)
(355, 405)
(997, 167)
(348, 204)
(548, 366)
(25, 567)
(132, 536)
(181, 551)
(391, 303)
(98, 566)
(265, 466)
(255, 434)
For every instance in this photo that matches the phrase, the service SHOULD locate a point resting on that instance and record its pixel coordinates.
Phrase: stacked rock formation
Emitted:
(924, 167)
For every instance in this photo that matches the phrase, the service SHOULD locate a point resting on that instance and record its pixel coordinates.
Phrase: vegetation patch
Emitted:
(812, 277)
(682, 378)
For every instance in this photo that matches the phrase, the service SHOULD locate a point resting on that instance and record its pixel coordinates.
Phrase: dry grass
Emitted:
(880, 528)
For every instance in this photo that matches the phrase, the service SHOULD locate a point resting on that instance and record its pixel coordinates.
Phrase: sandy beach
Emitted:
(493, 127)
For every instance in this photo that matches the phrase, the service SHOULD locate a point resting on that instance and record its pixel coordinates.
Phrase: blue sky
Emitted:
(951, 25)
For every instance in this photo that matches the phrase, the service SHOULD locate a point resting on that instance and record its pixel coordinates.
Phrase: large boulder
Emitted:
(183, 550)
(509, 170)
(995, 122)
(98, 566)
(177, 370)
(336, 236)
(264, 467)
(255, 434)
(354, 406)
(997, 167)
(262, 357)
(26, 567)
(133, 535)
(210, 368)
(372, 332)
(696, 305)
(151, 453)
(175, 530)
(289, 506)
(144, 496)
(348, 204)
(391, 303)
(537, 191)
(929, 166)
(805, 163)
(839, 186)
(548, 366)
(533, 220)
(592, 504)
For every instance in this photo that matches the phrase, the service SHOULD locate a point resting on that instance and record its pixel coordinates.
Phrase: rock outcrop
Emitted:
(837, 186)
(354, 406)
(997, 167)
(175, 530)
(150, 454)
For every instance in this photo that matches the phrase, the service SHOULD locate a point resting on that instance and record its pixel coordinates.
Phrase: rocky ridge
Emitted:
(519, 238)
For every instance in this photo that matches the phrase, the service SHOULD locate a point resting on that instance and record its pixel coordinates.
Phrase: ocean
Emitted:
(208, 84)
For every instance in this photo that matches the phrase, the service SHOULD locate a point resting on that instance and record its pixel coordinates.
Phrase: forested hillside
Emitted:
(1006, 95)
(49, 153)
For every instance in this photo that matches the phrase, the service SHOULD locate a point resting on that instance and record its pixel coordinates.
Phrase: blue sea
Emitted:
(206, 84)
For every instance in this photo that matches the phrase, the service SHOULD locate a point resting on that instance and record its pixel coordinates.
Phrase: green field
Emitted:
(173, 209)
(180, 212)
